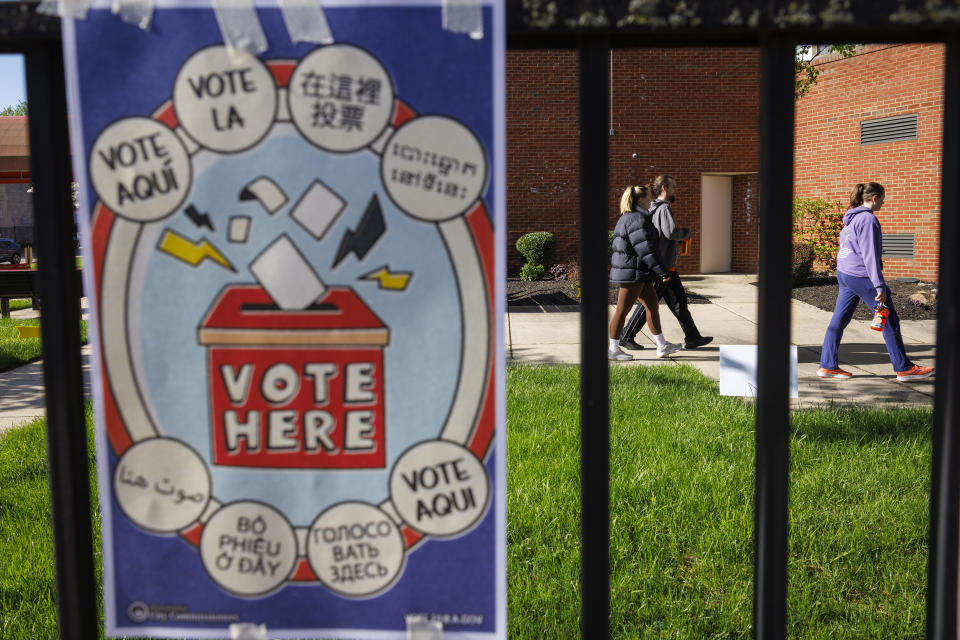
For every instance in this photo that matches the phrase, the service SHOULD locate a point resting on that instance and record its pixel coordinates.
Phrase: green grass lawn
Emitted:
(681, 514)
(681, 511)
(20, 303)
(27, 582)
(79, 261)
(16, 351)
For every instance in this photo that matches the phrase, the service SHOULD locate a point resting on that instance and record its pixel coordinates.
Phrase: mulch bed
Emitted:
(552, 292)
(820, 292)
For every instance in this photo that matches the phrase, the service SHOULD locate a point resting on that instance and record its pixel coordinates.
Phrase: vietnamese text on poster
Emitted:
(294, 259)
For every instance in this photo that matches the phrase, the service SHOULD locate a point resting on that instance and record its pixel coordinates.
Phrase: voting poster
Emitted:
(293, 255)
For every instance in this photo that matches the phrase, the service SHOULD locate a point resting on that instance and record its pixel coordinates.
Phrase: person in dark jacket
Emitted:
(664, 187)
(636, 265)
(860, 276)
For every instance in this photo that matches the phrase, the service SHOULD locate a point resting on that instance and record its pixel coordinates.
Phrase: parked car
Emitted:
(10, 251)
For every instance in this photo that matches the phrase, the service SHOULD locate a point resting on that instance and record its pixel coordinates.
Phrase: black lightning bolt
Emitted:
(371, 227)
(199, 219)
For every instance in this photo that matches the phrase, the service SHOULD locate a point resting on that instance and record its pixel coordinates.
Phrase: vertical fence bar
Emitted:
(594, 408)
(945, 469)
(59, 290)
(773, 410)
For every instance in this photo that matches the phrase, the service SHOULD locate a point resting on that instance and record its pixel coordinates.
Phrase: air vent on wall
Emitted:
(897, 245)
(889, 129)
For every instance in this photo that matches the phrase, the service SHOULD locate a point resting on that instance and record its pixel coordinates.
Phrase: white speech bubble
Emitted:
(248, 548)
(140, 169)
(224, 104)
(439, 488)
(434, 168)
(340, 98)
(355, 549)
(162, 485)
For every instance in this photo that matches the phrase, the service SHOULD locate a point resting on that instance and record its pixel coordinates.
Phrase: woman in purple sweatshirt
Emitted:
(860, 275)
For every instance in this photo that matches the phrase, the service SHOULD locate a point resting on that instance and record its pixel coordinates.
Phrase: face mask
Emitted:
(671, 198)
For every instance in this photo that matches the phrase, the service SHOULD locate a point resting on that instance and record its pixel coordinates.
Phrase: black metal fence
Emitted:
(37, 37)
(590, 26)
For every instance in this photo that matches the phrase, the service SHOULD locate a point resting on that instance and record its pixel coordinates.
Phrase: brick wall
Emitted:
(882, 81)
(746, 228)
(683, 111)
(542, 150)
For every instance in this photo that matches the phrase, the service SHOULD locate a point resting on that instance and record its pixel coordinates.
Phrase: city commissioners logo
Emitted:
(140, 612)
(295, 275)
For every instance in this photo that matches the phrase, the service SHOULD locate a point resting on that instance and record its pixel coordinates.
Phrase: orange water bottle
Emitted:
(880, 317)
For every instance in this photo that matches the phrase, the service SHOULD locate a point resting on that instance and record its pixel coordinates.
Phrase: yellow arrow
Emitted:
(191, 252)
(395, 280)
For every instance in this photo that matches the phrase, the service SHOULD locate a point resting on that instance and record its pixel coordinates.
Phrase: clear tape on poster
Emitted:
(464, 16)
(138, 12)
(420, 628)
(248, 631)
(240, 27)
(306, 21)
(76, 9)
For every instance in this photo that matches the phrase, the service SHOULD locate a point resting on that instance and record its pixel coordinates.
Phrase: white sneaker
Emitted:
(667, 349)
(617, 354)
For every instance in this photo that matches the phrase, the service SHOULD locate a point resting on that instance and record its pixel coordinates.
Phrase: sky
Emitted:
(12, 86)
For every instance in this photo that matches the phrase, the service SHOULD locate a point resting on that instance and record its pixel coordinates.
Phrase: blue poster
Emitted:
(295, 263)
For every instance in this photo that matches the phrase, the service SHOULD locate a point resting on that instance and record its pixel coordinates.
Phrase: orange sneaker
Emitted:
(833, 373)
(916, 372)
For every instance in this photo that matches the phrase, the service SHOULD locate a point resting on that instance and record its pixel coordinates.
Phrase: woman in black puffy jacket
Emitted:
(635, 265)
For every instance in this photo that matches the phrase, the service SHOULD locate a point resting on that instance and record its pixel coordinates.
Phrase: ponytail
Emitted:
(659, 183)
(863, 192)
(630, 196)
(626, 200)
(856, 196)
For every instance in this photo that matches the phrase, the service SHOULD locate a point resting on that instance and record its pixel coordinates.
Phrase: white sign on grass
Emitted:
(738, 370)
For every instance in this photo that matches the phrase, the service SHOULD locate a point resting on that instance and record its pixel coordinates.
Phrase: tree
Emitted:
(19, 110)
(807, 72)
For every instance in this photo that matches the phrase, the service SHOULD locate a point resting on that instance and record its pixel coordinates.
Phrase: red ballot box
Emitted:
(295, 388)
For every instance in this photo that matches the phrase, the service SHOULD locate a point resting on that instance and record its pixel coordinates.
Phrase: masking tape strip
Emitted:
(76, 9)
(420, 628)
(306, 21)
(138, 12)
(50, 7)
(248, 631)
(463, 16)
(240, 25)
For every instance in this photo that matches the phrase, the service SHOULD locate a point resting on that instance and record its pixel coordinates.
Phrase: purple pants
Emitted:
(852, 291)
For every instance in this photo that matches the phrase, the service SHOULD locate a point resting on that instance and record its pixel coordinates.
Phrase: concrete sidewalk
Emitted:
(534, 335)
(21, 389)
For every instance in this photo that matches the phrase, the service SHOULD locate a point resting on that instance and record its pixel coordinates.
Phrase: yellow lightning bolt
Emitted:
(395, 280)
(191, 252)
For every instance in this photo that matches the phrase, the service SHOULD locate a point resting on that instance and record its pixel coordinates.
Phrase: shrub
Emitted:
(569, 272)
(530, 271)
(537, 247)
(803, 257)
(817, 222)
(559, 272)
(573, 275)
